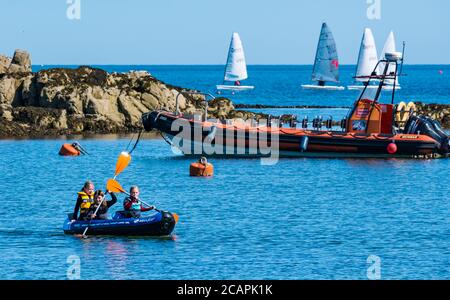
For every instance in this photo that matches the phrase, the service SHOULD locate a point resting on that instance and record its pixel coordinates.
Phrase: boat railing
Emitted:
(177, 104)
(317, 123)
(393, 58)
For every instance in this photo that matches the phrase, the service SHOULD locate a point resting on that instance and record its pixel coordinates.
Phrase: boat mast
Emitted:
(228, 60)
(403, 58)
(317, 54)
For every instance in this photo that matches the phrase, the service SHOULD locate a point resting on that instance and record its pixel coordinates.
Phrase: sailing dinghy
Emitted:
(326, 65)
(367, 60)
(236, 68)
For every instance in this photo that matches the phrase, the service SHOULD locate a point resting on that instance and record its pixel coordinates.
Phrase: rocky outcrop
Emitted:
(89, 100)
(4, 63)
(20, 63)
(85, 100)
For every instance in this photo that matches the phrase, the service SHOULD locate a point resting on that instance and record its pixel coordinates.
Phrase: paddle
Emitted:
(95, 213)
(122, 162)
(113, 186)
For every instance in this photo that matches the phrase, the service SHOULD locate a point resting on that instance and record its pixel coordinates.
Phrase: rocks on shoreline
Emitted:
(439, 112)
(86, 100)
(19, 63)
(89, 100)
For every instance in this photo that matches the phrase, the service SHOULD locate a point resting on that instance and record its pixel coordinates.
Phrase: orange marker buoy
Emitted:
(68, 150)
(201, 168)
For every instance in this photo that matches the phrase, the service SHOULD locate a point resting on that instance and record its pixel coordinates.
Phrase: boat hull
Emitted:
(325, 87)
(233, 140)
(159, 224)
(234, 87)
(372, 87)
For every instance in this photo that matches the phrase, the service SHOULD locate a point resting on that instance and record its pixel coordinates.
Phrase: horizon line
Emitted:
(214, 65)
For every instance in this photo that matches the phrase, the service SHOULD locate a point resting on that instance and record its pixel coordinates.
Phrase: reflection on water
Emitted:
(116, 258)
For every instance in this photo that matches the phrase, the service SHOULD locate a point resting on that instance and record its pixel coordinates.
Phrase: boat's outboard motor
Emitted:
(432, 128)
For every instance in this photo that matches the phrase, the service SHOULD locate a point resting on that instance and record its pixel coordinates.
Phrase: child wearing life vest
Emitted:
(133, 206)
(84, 202)
(99, 198)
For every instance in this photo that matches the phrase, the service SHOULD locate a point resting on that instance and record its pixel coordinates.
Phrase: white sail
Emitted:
(368, 57)
(236, 68)
(389, 47)
(326, 66)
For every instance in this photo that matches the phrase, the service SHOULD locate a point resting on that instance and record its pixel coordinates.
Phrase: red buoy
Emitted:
(392, 148)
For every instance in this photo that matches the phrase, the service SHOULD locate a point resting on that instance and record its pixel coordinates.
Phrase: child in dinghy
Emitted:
(99, 198)
(133, 206)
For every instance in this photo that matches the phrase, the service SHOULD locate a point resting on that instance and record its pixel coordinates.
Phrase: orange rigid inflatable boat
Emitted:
(371, 129)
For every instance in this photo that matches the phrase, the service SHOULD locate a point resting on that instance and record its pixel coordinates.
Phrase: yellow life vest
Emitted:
(87, 201)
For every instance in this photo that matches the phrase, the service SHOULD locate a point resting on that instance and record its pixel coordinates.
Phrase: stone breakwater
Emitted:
(89, 100)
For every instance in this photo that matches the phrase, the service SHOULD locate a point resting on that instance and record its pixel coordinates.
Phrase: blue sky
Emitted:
(198, 31)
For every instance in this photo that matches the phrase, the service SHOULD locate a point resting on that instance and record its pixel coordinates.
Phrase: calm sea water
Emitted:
(299, 219)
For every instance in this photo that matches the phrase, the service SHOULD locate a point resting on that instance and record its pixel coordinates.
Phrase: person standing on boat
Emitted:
(133, 206)
(237, 83)
(84, 202)
(102, 213)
